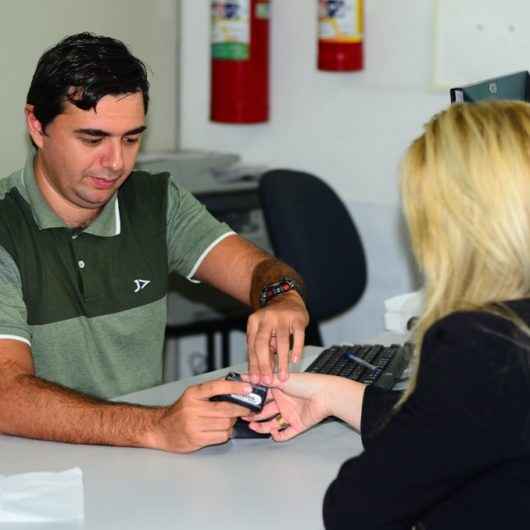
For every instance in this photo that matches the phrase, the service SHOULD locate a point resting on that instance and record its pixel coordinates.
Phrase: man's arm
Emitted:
(34, 408)
(241, 270)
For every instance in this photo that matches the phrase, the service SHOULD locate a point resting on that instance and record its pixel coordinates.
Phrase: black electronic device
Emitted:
(254, 400)
(375, 364)
(513, 86)
(242, 430)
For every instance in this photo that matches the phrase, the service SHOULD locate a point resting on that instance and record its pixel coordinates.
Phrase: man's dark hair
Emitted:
(82, 69)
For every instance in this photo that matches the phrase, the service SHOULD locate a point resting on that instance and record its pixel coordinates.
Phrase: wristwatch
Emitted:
(283, 285)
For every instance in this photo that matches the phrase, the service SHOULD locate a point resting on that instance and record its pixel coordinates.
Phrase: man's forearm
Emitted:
(34, 408)
(269, 271)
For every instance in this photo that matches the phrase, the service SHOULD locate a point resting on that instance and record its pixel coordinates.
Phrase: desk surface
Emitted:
(243, 484)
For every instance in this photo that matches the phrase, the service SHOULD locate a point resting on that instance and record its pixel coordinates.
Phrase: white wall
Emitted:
(349, 128)
(28, 27)
(480, 39)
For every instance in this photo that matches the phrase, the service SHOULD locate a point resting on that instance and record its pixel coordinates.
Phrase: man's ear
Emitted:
(34, 126)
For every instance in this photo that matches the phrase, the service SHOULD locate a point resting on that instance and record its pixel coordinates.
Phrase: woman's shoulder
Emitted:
(472, 327)
(478, 362)
(478, 346)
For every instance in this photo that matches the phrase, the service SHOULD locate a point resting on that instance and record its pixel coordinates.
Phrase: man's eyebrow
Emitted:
(138, 130)
(100, 133)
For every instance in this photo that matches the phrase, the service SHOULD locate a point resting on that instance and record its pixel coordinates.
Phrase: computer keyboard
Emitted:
(382, 366)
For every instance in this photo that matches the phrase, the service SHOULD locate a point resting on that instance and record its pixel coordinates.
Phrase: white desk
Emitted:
(244, 484)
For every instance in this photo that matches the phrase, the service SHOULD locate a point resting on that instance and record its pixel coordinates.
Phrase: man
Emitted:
(86, 246)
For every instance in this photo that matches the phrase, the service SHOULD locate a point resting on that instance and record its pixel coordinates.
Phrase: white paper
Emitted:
(42, 497)
(409, 302)
(401, 309)
(396, 323)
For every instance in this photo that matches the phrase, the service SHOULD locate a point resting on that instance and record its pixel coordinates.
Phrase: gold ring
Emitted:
(282, 424)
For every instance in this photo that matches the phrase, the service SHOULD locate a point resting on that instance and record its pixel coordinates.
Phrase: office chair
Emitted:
(311, 230)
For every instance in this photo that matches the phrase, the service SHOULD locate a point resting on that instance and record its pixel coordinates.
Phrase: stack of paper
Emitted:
(42, 497)
(400, 311)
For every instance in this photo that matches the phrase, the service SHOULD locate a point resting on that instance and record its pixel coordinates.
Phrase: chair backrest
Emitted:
(311, 230)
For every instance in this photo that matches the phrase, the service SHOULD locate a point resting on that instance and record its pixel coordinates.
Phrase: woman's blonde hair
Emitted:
(465, 184)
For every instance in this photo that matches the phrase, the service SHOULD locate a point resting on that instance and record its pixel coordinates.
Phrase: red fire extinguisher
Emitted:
(340, 43)
(240, 61)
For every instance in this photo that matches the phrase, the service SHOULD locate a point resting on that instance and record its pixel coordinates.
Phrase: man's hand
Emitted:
(36, 408)
(269, 332)
(194, 421)
(240, 269)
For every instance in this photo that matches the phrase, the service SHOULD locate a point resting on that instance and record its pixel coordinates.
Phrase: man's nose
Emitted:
(113, 156)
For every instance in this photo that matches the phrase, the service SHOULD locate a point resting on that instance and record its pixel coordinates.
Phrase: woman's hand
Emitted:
(306, 399)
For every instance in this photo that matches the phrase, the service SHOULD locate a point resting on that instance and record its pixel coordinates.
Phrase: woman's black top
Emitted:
(457, 454)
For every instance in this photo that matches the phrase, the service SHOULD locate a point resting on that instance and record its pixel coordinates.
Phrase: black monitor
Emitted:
(512, 86)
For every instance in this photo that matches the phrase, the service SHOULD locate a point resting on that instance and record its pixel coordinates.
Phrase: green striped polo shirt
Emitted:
(92, 304)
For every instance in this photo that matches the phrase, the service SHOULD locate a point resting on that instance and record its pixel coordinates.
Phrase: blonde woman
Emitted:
(454, 450)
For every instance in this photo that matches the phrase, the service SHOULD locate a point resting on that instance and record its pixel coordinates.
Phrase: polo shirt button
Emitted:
(81, 264)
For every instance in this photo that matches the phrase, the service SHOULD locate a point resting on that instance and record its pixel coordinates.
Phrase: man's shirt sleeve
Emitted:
(191, 231)
(13, 313)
